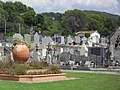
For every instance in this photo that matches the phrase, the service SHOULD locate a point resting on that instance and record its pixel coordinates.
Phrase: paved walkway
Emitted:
(103, 71)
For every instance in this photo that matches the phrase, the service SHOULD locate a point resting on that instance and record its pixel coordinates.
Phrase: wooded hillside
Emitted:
(16, 15)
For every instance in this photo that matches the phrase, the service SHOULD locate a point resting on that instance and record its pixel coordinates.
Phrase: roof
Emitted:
(84, 32)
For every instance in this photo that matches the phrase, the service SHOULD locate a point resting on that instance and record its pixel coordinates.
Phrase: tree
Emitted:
(20, 7)
(52, 23)
(104, 25)
(39, 23)
(109, 24)
(29, 18)
(119, 20)
(74, 20)
(9, 6)
(94, 21)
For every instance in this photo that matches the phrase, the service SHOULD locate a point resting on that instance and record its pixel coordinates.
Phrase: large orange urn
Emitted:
(20, 53)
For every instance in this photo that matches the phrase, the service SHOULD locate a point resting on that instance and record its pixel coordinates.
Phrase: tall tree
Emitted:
(39, 23)
(29, 17)
(74, 20)
(20, 7)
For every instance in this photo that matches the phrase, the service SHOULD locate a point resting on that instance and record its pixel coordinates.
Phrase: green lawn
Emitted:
(86, 81)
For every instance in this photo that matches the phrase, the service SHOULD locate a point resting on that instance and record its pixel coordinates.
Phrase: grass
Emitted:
(86, 81)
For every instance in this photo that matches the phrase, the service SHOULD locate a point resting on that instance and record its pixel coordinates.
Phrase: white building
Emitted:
(94, 39)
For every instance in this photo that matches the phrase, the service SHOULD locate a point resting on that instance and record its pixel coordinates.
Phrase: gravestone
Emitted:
(27, 37)
(47, 40)
(50, 40)
(58, 39)
(44, 40)
(69, 39)
(18, 36)
(84, 40)
(62, 40)
(71, 50)
(36, 38)
(40, 38)
(64, 57)
(77, 39)
(55, 38)
(9, 39)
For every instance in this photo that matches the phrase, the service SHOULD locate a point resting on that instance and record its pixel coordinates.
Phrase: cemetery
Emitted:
(61, 50)
(41, 54)
(53, 45)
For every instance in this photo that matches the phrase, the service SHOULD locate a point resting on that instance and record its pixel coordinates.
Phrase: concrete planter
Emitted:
(33, 78)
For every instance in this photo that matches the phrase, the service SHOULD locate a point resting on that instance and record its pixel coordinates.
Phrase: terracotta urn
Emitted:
(20, 53)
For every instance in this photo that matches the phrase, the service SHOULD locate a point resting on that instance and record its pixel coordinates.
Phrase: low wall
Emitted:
(34, 78)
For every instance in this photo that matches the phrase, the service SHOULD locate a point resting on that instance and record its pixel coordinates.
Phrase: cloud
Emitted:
(63, 5)
(98, 5)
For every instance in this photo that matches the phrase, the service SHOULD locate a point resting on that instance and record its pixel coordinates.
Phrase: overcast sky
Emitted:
(110, 6)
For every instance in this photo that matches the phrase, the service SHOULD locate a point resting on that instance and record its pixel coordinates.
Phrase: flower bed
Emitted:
(31, 72)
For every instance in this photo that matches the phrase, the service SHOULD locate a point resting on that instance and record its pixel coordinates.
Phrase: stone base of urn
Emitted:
(34, 78)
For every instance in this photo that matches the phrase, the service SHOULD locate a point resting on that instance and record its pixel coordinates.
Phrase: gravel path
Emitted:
(96, 71)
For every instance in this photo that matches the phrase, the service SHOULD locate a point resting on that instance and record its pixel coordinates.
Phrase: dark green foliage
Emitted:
(48, 70)
(52, 70)
(16, 13)
(35, 73)
(11, 68)
(119, 20)
(18, 69)
(105, 25)
(29, 18)
(38, 65)
(73, 21)
(20, 7)
(5, 64)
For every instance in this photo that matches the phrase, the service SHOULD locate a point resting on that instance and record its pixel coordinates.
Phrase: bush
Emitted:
(5, 64)
(21, 69)
(38, 65)
(52, 70)
(44, 64)
(35, 73)
(15, 69)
